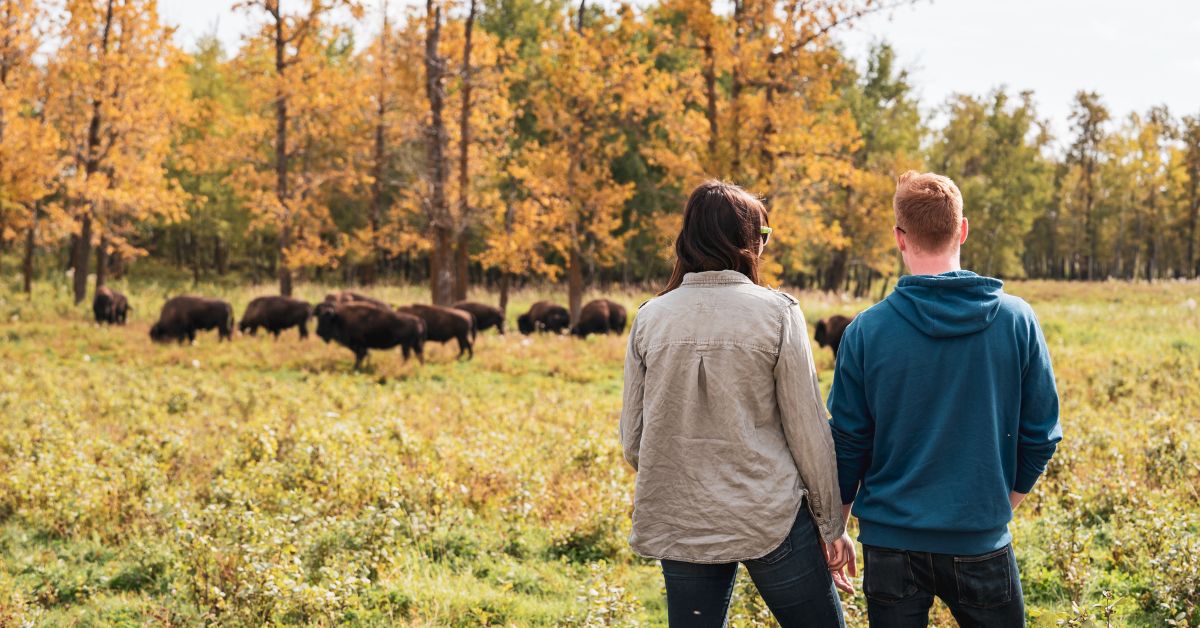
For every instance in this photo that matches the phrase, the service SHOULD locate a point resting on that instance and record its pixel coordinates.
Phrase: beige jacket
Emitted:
(723, 421)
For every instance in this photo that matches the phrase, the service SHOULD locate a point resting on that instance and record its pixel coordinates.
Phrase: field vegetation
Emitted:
(265, 482)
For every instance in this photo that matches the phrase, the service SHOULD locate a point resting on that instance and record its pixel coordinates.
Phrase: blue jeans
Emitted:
(793, 580)
(982, 590)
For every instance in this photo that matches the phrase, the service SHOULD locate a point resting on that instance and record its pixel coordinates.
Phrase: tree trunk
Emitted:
(504, 281)
(91, 164)
(441, 268)
(575, 282)
(1152, 237)
(462, 267)
(735, 93)
(102, 262)
(1193, 217)
(30, 243)
(836, 275)
(83, 251)
(281, 159)
(710, 95)
(377, 202)
(1090, 222)
(378, 207)
(461, 251)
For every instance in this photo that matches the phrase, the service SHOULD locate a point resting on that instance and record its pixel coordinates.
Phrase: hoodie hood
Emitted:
(951, 304)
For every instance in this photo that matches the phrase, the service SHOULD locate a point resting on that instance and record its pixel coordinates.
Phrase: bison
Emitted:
(183, 316)
(276, 314)
(110, 306)
(829, 331)
(362, 326)
(347, 296)
(601, 316)
(485, 315)
(443, 324)
(545, 316)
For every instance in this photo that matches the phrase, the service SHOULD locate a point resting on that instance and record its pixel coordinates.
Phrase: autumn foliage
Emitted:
(508, 141)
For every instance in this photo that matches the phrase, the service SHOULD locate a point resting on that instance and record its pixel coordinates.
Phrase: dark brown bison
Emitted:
(183, 316)
(829, 331)
(443, 324)
(486, 316)
(601, 316)
(545, 316)
(347, 296)
(362, 326)
(110, 306)
(276, 314)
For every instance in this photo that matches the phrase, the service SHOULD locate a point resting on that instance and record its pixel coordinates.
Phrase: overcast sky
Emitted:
(1135, 54)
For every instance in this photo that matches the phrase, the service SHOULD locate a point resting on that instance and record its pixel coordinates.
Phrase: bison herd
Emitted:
(362, 323)
(359, 322)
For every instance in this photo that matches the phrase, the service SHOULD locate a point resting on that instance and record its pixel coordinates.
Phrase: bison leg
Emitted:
(464, 346)
(275, 332)
(359, 356)
(303, 331)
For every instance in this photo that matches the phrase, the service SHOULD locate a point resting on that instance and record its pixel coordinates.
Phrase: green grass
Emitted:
(264, 481)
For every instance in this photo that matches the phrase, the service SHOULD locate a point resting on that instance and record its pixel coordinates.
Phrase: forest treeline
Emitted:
(495, 141)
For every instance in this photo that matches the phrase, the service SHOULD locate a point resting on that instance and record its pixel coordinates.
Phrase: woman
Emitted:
(723, 422)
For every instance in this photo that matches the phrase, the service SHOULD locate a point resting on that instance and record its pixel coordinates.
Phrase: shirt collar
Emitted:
(714, 278)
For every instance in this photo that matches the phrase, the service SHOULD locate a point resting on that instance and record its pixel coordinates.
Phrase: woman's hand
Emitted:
(840, 556)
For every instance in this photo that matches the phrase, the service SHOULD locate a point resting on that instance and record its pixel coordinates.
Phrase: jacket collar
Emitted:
(714, 278)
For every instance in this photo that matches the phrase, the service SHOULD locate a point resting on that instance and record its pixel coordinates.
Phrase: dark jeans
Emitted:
(982, 590)
(793, 580)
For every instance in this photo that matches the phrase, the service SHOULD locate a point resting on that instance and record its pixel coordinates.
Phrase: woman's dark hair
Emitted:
(721, 231)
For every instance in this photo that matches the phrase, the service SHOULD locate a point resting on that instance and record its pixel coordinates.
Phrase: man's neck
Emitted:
(933, 264)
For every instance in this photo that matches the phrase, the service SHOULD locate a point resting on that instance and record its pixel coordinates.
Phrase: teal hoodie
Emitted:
(943, 402)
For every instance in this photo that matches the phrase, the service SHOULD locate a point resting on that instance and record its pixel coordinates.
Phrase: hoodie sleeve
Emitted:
(631, 404)
(853, 424)
(1039, 431)
(806, 425)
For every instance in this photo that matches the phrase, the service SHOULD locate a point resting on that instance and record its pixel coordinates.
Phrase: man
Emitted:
(945, 413)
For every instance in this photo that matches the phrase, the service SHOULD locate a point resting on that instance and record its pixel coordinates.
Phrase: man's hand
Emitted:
(840, 556)
(1015, 499)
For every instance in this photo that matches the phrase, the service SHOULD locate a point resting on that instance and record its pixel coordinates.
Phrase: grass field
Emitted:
(263, 481)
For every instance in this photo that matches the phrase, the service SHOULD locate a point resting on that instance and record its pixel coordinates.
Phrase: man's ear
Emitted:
(901, 242)
(962, 238)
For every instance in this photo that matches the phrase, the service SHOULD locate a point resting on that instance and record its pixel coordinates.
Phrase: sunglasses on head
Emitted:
(765, 233)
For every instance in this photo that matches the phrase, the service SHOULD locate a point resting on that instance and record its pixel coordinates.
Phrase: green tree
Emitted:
(859, 212)
(1089, 118)
(201, 160)
(995, 150)
(1191, 148)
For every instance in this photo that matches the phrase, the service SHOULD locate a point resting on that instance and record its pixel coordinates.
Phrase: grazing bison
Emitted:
(617, 318)
(276, 314)
(443, 324)
(601, 316)
(183, 316)
(545, 316)
(362, 326)
(485, 315)
(110, 306)
(347, 296)
(829, 331)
